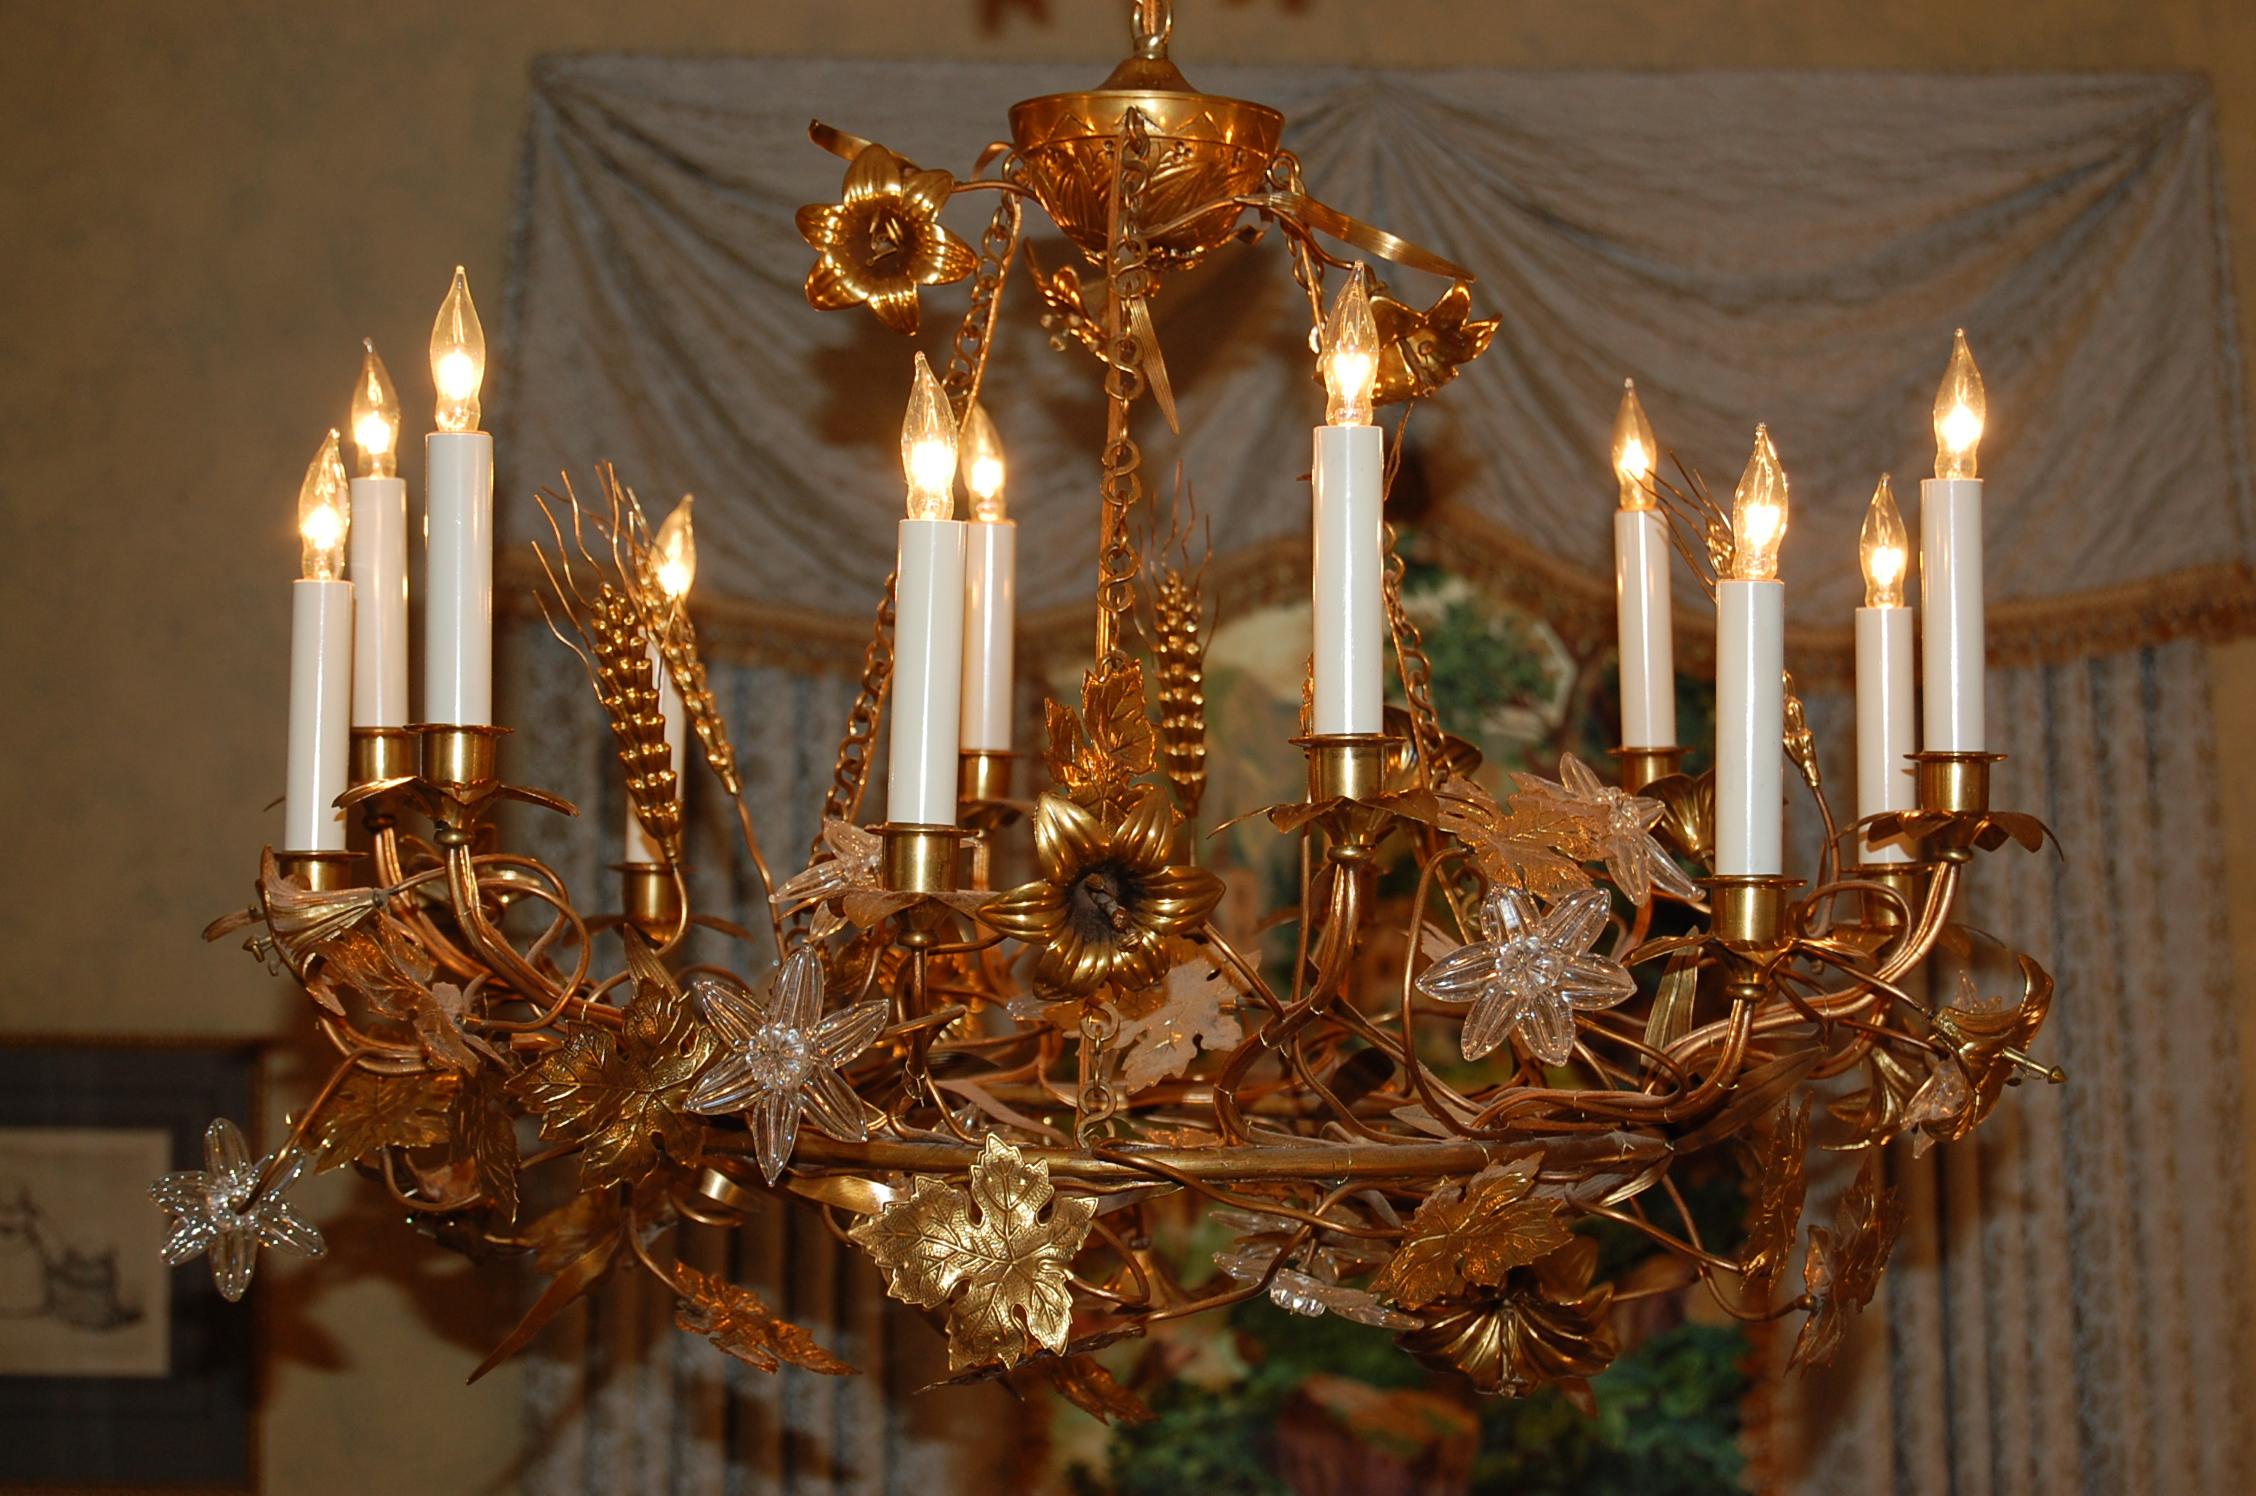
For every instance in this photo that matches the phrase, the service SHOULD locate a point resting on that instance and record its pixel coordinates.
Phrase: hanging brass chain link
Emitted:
(967, 356)
(1411, 663)
(1098, 1101)
(849, 780)
(1121, 488)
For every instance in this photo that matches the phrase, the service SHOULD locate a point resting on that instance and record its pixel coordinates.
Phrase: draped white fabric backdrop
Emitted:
(1793, 248)
(1790, 247)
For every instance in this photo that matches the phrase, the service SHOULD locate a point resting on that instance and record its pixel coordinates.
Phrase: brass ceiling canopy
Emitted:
(1209, 150)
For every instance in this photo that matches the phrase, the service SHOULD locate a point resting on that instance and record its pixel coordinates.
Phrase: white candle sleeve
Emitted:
(1351, 638)
(458, 579)
(321, 635)
(990, 616)
(927, 674)
(639, 846)
(1750, 727)
(1950, 602)
(1641, 606)
(378, 568)
(1884, 721)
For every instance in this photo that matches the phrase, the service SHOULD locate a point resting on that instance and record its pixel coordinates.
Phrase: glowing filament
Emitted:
(1883, 549)
(674, 553)
(375, 416)
(1758, 513)
(458, 357)
(1961, 407)
(1351, 356)
(1634, 449)
(983, 465)
(928, 448)
(324, 514)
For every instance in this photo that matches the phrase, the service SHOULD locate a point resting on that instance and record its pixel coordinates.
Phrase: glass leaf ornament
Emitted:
(219, 1210)
(849, 866)
(1622, 826)
(1308, 1283)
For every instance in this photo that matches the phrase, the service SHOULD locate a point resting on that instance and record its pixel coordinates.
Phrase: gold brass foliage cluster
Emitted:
(1490, 1019)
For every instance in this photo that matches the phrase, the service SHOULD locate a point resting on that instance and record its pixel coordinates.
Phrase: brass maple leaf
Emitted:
(1537, 844)
(482, 1135)
(1780, 1144)
(1844, 1264)
(371, 1112)
(738, 1321)
(1096, 757)
(621, 1097)
(1085, 1382)
(1472, 1234)
(990, 1255)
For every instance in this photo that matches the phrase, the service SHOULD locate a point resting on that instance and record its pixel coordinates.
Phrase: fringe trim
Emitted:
(2211, 603)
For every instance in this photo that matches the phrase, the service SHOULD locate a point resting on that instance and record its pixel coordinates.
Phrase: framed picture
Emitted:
(115, 1370)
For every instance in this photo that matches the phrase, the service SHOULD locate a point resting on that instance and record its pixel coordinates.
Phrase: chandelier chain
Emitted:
(967, 355)
(1130, 281)
(1411, 661)
(849, 778)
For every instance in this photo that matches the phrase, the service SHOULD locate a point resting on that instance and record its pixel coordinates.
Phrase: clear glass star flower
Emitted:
(1622, 825)
(214, 1210)
(780, 1056)
(1529, 971)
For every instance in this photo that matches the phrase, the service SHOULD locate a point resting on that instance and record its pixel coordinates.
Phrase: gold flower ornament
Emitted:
(1109, 896)
(883, 239)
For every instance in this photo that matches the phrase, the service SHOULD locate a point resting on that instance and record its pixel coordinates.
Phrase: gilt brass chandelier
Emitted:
(1001, 1094)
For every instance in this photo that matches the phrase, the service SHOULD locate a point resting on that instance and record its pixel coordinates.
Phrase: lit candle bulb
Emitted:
(990, 587)
(379, 551)
(1641, 585)
(458, 577)
(321, 632)
(1883, 671)
(928, 618)
(673, 567)
(1750, 674)
(1348, 498)
(1950, 563)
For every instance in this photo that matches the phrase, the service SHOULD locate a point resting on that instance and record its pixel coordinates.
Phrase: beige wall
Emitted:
(206, 205)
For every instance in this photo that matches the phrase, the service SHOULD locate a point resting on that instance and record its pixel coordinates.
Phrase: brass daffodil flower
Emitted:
(1108, 898)
(1424, 350)
(1547, 1325)
(883, 239)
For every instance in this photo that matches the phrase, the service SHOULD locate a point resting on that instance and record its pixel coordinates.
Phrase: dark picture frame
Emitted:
(192, 1426)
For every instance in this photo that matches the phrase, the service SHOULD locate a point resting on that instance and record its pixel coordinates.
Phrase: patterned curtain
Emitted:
(2068, 1309)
